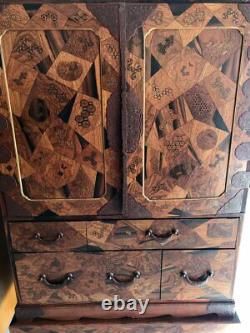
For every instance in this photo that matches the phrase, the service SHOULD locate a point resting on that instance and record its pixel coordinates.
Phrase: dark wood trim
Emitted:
(111, 217)
(121, 2)
(203, 324)
(156, 309)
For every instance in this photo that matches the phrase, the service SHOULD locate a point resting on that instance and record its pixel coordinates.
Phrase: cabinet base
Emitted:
(155, 309)
(210, 323)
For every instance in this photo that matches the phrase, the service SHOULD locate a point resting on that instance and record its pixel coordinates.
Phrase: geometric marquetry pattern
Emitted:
(133, 234)
(189, 96)
(90, 283)
(54, 87)
(187, 73)
(185, 28)
(125, 235)
(196, 263)
(62, 66)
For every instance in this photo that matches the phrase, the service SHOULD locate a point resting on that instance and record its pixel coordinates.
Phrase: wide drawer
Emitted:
(166, 234)
(197, 274)
(52, 278)
(124, 234)
(48, 236)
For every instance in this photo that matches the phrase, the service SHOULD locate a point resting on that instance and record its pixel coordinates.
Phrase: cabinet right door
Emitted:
(187, 116)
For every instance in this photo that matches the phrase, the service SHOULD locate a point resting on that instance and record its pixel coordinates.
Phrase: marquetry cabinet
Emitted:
(124, 160)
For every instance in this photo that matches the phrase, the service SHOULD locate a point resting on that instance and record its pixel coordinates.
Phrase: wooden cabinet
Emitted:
(124, 156)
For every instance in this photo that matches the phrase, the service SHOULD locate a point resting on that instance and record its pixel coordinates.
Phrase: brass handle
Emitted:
(123, 282)
(199, 281)
(38, 237)
(56, 283)
(162, 239)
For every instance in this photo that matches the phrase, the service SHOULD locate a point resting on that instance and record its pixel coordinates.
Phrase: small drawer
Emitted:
(165, 234)
(197, 274)
(55, 278)
(48, 236)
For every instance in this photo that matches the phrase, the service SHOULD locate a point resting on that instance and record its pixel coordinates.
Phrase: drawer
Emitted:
(166, 234)
(55, 278)
(48, 236)
(198, 274)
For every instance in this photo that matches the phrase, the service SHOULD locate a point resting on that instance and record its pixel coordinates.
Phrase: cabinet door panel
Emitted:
(189, 107)
(62, 75)
(184, 70)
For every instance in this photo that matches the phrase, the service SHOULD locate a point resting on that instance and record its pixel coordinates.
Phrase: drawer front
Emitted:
(48, 236)
(166, 234)
(46, 279)
(197, 274)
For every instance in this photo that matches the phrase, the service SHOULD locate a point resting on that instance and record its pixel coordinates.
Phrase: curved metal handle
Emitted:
(56, 283)
(123, 282)
(162, 239)
(38, 237)
(199, 281)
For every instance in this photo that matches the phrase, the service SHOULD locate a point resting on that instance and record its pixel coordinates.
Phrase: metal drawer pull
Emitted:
(113, 279)
(56, 283)
(199, 281)
(162, 239)
(38, 237)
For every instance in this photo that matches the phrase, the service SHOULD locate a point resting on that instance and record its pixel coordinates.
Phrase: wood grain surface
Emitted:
(181, 140)
(123, 234)
(58, 124)
(90, 282)
(186, 73)
(62, 70)
(48, 236)
(189, 109)
(165, 234)
(154, 326)
(155, 309)
(197, 263)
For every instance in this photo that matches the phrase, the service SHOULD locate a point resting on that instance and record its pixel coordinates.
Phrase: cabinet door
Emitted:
(62, 74)
(186, 71)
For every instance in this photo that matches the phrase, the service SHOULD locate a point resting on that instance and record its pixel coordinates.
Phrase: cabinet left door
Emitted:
(60, 102)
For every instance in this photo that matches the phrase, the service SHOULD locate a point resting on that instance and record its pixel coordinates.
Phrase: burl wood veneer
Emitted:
(124, 161)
